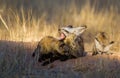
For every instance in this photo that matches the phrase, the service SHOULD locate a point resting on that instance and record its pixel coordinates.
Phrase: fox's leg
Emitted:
(40, 59)
(107, 48)
(95, 52)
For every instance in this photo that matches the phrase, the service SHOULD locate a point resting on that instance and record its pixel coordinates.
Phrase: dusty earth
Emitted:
(16, 62)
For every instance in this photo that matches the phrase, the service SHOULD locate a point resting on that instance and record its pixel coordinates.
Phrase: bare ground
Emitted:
(16, 62)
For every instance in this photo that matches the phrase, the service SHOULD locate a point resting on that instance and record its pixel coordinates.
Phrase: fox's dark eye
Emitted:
(70, 26)
(66, 31)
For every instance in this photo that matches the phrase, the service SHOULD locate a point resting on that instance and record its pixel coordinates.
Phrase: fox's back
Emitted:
(48, 43)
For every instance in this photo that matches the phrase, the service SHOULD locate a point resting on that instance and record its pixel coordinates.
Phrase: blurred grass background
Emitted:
(28, 20)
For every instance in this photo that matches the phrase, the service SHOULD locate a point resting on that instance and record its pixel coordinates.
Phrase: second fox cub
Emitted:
(102, 44)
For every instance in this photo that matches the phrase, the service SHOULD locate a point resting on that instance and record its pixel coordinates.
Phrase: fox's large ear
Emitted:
(98, 45)
(79, 30)
(109, 46)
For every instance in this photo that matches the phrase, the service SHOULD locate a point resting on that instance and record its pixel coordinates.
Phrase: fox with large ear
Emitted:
(69, 44)
(74, 40)
(102, 44)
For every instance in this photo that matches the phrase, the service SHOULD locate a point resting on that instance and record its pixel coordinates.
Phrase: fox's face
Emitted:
(65, 31)
(102, 42)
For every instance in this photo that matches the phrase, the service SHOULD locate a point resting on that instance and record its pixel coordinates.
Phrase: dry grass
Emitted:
(25, 24)
(28, 26)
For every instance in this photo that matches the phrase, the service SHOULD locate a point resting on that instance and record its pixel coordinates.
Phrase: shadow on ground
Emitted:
(16, 61)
